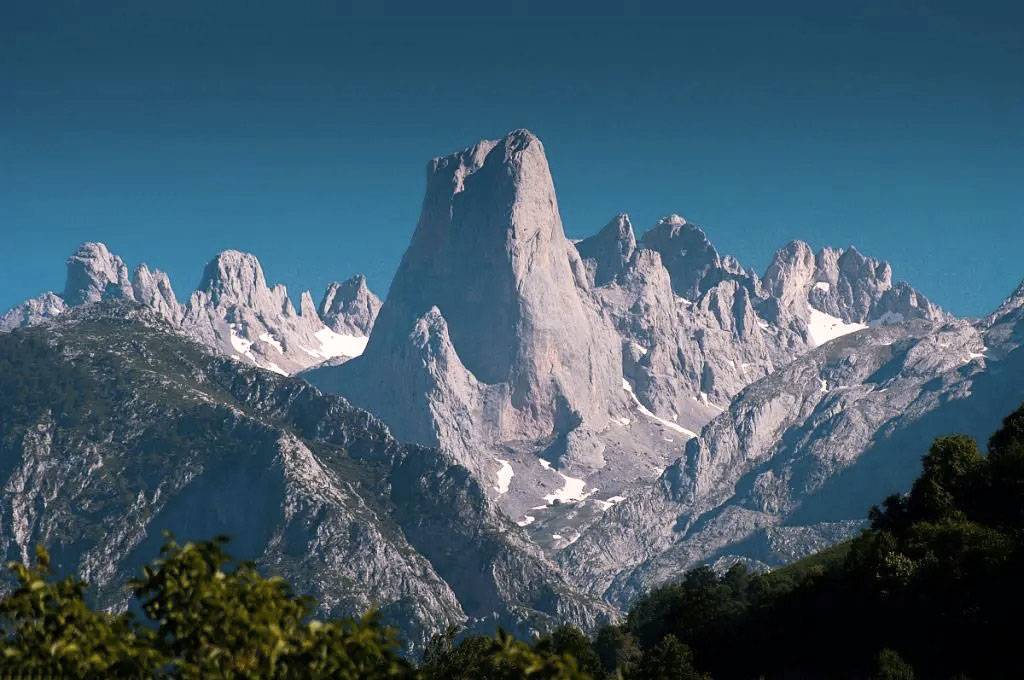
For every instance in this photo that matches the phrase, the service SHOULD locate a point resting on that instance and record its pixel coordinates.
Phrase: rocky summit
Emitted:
(529, 430)
(234, 311)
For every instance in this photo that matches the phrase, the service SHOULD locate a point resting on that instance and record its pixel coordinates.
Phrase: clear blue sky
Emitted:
(300, 132)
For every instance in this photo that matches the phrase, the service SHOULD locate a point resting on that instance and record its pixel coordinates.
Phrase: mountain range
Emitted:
(527, 430)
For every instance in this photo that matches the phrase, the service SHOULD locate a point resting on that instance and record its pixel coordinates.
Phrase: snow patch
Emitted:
(707, 402)
(526, 521)
(645, 411)
(275, 368)
(242, 345)
(572, 489)
(337, 345)
(271, 340)
(505, 475)
(609, 502)
(824, 327)
(823, 286)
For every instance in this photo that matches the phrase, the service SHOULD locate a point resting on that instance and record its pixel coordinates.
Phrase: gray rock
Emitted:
(153, 290)
(95, 273)
(845, 284)
(350, 307)
(33, 311)
(692, 261)
(607, 252)
(490, 254)
(234, 312)
(800, 455)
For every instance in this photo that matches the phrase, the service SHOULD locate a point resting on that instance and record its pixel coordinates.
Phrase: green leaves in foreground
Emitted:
(212, 622)
(209, 621)
(49, 631)
(210, 618)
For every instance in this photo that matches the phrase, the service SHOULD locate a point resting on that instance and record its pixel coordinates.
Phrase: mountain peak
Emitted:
(93, 272)
(237, 276)
(692, 261)
(608, 251)
(350, 307)
(490, 253)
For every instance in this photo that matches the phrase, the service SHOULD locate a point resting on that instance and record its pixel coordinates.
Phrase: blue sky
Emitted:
(301, 135)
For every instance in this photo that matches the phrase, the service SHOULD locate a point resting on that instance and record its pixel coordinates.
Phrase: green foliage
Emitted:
(670, 659)
(615, 648)
(571, 642)
(49, 631)
(501, 657)
(890, 666)
(218, 622)
(937, 577)
(207, 621)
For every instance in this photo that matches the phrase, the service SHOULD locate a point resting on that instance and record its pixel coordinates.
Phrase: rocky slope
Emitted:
(114, 427)
(233, 312)
(798, 456)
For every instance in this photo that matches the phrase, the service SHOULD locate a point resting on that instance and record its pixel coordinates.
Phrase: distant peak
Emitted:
(235, 275)
(93, 272)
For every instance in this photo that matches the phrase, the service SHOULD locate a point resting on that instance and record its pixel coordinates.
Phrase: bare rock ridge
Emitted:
(791, 465)
(94, 273)
(234, 311)
(33, 311)
(721, 326)
(519, 347)
(844, 284)
(350, 307)
(606, 253)
(692, 261)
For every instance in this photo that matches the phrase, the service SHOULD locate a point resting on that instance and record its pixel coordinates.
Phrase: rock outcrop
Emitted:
(350, 307)
(33, 311)
(692, 261)
(95, 273)
(533, 356)
(844, 284)
(606, 253)
(234, 311)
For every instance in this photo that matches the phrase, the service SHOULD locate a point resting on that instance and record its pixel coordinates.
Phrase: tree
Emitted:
(501, 657)
(219, 622)
(49, 630)
(890, 666)
(571, 642)
(670, 659)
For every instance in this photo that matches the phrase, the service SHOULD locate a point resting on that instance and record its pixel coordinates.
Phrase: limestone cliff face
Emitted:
(845, 284)
(350, 307)
(234, 311)
(490, 256)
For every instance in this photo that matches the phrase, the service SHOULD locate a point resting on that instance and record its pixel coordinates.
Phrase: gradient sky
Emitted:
(301, 135)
